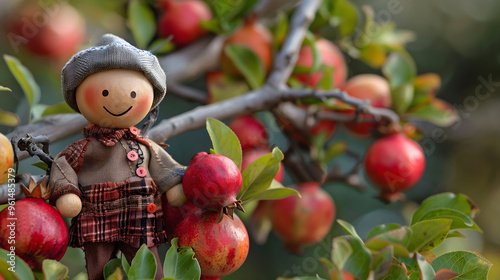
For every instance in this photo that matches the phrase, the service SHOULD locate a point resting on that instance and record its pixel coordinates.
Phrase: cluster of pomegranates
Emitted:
(299, 221)
(206, 222)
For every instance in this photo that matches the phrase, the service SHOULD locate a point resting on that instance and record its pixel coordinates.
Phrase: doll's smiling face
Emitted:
(117, 98)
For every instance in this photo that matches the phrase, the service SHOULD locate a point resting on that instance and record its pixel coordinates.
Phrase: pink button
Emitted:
(135, 130)
(132, 156)
(141, 172)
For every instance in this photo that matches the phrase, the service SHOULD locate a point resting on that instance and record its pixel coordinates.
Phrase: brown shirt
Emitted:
(119, 182)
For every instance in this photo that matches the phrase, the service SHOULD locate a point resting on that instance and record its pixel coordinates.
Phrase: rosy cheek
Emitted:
(144, 104)
(90, 97)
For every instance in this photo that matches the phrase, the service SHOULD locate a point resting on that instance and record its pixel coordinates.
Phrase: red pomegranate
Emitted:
(220, 248)
(211, 181)
(394, 163)
(252, 155)
(54, 31)
(303, 221)
(367, 87)
(254, 36)
(37, 233)
(182, 19)
(250, 131)
(330, 56)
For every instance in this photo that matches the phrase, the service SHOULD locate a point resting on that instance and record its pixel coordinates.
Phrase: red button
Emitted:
(132, 156)
(135, 130)
(151, 208)
(141, 172)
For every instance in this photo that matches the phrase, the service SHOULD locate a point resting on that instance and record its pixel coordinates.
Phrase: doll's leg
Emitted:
(130, 252)
(97, 255)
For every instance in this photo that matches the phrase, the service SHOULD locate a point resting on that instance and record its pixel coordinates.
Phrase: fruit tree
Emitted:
(316, 135)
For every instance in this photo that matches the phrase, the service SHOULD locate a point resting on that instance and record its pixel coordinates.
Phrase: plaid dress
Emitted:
(113, 211)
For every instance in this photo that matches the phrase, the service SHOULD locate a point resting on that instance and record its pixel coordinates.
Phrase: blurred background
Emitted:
(457, 39)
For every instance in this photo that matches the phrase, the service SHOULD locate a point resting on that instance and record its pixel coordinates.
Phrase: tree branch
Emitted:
(187, 93)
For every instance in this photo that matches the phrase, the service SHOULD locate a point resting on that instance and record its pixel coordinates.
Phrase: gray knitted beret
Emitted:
(112, 52)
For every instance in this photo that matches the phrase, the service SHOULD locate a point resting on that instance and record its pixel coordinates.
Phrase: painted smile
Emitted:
(117, 115)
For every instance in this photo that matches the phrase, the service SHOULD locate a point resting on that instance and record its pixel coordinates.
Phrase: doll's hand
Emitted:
(175, 196)
(69, 205)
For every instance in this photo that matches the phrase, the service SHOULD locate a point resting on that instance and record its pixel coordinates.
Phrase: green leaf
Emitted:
(280, 30)
(348, 228)
(116, 275)
(24, 78)
(358, 263)
(425, 87)
(5, 272)
(399, 69)
(143, 265)
(224, 141)
(310, 41)
(54, 270)
(401, 98)
(59, 108)
(341, 252)
(248, 63)
(437, 112)
(373, 55)
(381, 229)
(428, 234)
(83, 276)
(468, 265)
(111, 267)
(381, 262)
(180, 263)
(162, 46)
(426, 270)
(221, 87)
(142, 23)
(275, 191)
(8, 118)
(23, 271)
(258, 176)
(125, 265)
(345, 17)
(335, 150)
(2, 88)
(397, 238)
(459, 219)
(447, 200)
(396, 273)
(302, 278)
(326, 83)
(41, 165)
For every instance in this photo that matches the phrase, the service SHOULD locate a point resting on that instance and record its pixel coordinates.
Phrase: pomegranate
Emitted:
(394, 163)
(182, 19)
(254, 36)
(367, 87)
(6, 158)
(37, 233)
(252, 155)
(250, 131)
(330, 56)
(54, 31)
(211, 182)
(303, 221)
(220, 248)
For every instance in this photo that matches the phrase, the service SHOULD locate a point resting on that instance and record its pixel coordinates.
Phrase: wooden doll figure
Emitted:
(110, 182)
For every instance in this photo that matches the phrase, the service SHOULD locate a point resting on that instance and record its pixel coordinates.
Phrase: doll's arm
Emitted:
(165, 171)
(65, 193)
(175, 196)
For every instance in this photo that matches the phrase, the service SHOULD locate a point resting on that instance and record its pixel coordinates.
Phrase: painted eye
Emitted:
(105, 93)
(133, 94)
